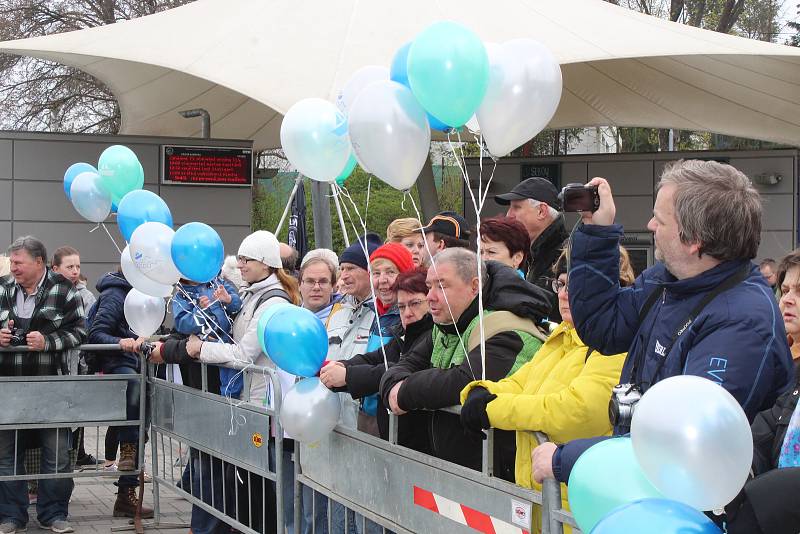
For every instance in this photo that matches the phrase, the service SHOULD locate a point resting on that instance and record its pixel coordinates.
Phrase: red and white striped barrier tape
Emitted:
(470, 517)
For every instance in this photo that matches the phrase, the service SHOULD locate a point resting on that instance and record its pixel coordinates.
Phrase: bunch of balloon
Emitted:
(95, 192)
(690, 451)
(296, 341)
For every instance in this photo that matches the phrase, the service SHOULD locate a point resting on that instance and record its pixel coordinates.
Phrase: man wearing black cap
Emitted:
(534, 202)
(447, 229)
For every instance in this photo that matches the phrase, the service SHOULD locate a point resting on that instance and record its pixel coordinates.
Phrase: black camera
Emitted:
(18, 337)
(624, 398)
(579, 197)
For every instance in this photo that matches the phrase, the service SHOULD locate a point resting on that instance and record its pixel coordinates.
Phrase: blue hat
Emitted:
(355, 253)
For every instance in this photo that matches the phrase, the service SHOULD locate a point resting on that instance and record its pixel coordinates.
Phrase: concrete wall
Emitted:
(633, 178)
(32, 199)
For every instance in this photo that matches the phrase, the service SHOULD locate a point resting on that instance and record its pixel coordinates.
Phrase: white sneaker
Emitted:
(9, 527)
(110, 468)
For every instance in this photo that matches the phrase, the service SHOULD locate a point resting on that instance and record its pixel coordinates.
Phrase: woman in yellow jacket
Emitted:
(563, 391)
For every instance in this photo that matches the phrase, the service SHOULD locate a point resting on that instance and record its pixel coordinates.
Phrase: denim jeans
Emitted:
(129, 434)
(210, 493)
(54, 493)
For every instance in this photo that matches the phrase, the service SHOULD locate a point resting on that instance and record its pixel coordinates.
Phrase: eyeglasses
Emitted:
(412, 305)
(244, 259)
(558, 285)
(310, 282)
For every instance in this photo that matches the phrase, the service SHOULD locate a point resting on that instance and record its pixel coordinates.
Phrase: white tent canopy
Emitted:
(248, 61)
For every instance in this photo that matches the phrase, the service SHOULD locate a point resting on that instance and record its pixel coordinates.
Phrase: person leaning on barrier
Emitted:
(431, 376)
(109, 326)
(40, 310)
(563, 391)
(704, 309)
(768, 503)
(267, 284)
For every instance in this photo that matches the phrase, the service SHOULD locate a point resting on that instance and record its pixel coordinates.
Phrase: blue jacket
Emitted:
(109, 324)
(190, 320)
(738, 339)
(188, 316)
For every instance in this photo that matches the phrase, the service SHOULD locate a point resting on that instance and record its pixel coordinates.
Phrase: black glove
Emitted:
(473, 413)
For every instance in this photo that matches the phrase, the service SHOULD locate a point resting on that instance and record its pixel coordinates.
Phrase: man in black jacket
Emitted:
(534, 202)
(432, 375)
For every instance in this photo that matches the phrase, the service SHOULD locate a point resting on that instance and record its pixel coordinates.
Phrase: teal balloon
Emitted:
(656, 515)
(139, 207)
(448, 71)
(399, 73)
(347, 171)
(296, 340)
(261, 326)
(120, 172)
(197, 252)
(605, 477)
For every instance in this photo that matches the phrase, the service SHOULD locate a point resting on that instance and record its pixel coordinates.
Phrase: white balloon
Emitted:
(140, 281)
(523, 95)
(314, 139)
(357, 82)
(143, 313)
(693, 441)
(151, 252)
(309, 410)
(88, 197)
(390, 134)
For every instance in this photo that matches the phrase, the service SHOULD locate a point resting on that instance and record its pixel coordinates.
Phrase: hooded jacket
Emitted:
(545, 250)
(737, 341)
(109, 324)
(426, 387)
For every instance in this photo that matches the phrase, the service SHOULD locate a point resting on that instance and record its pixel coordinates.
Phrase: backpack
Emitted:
(93, 360)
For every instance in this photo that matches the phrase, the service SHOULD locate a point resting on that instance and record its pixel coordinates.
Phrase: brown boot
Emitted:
(127, 457)
(126, 503)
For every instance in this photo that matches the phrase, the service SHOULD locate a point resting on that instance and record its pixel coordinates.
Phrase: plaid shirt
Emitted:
(58, 316)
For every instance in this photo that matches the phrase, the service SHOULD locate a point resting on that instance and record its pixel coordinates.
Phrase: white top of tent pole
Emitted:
(248, 61)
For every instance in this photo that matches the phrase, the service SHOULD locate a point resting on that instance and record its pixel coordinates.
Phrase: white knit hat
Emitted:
(262, 246)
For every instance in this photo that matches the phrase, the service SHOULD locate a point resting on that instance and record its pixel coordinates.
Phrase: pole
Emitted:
(321, 209)
(288, 204)
(426, 187)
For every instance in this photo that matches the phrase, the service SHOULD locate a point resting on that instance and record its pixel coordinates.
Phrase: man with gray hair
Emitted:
(432, 375)
(534, 202)
(704, 309)
(42, 314)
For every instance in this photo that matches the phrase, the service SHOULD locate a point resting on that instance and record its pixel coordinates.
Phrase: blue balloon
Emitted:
(656, 515)
(197, 252)
(138, 207)
(261, 326)
(399, 73)
(296, 340)
(74, 170)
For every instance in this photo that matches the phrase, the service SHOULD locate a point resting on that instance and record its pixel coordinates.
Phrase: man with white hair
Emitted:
(534, 202)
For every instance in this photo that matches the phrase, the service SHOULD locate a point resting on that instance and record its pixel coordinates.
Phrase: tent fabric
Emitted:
(248, 61)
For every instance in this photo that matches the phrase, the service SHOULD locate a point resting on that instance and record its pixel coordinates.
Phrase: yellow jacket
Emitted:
(559, 392)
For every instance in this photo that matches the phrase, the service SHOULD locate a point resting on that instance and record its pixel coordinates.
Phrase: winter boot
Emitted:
(127, 457)
(126, 503)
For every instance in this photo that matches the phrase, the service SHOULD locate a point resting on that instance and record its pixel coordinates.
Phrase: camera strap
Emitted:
(684, 325)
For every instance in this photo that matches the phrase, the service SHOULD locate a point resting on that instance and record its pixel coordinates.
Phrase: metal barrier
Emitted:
(64, 402)
(228, 443)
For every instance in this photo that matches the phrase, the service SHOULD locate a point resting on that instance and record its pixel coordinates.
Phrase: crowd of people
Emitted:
(533, 335)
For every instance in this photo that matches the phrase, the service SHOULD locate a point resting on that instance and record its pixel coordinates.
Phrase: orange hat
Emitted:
(395, 253)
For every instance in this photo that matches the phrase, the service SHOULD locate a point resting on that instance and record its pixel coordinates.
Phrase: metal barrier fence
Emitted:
(225, 457)
(219, 454)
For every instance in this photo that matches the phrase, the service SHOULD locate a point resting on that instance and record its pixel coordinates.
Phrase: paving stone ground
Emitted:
(92, 504)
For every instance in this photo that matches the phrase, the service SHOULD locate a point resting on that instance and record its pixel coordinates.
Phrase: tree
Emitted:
(39, 95)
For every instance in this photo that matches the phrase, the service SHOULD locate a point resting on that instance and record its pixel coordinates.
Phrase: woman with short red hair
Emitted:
(505, 240)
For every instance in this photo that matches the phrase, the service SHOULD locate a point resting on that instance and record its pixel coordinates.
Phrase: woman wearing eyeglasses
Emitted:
(563, 391)
(361, 375)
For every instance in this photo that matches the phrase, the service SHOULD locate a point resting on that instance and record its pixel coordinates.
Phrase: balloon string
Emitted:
(110, 236)
(436, 271)
(363, 244)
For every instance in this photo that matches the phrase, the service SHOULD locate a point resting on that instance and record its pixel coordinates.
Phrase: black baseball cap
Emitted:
(448, 223)
(539, 189)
